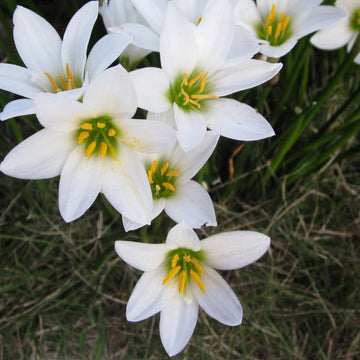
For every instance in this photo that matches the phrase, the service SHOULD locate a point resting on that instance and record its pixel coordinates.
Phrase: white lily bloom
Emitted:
(93, 146)
(120, 16)
(196, 72)
(344, 31)
(279, 24)
(173, 190)
(54, 65)
(179, 276)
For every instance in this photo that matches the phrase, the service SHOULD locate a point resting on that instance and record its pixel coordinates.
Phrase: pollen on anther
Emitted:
(174, 260)
(103, 149)
(153, 166)
(83, 135)
(100, 125)
(195, 79)
(171, 274)
(187, 258)
(164, 168)
(86, 126)
(185, 79)
(111, 132)
(172, 173)
(197, 280)
(182, 281)
(90, 148)
(151, 181)
(169, 186)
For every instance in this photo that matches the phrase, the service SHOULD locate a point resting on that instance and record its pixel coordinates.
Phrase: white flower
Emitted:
(196, 71)
(172, 188)
(179, 276)
(344, 31)
(93, 145)
(120, 16)
(54, 65)
(279, 24)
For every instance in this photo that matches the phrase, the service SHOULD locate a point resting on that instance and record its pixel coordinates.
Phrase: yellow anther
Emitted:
(195, 79)
(187, 97)
(185, 79)
(70, 76)
(153, 166)
(172, 173)
(86, 126)
(103, 149)
(168, 186)
(204, 97)
(171, 274)
(269, 30)
(271, 16)
(198, 266)
(278, 30)
(187, 258)
(90, 149)
(164, 168)
(151, 181)
(52, 82)
(111, 132)
(63, 81)
(282, 17)
(68, 72)
(203, 81)
(157, 187)
(100, 125)
(197, 279)
(182, 281)
(285, 23)
(174, 260)
(83, 135)
(199, 21)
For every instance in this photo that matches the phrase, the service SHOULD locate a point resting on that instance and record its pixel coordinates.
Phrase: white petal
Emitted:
(151, 86)
(17, 80)
(177, 323)
(143, 37)
(80, 183)
(167, 117)
(105, 52)
(76, 38)
(41, 156)
(147, 136)
(277, 51)
(60, 113)
(191, 128)
(144, 257)
(243, 76)
(235, 249)
(148, 296)
(191, 204)
(37, 42)
(238, 121)
(181, 235)
(215, 34)
(112, 93)
(178, 48)
(247, 14)
(127, 188)
(333, 37)
(17, 108)
(218, 300)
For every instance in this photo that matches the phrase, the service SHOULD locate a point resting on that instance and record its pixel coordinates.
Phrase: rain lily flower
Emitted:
(120, 16)
(179, 276)
(279, 24)
(54, 65)
(173, 190)
(93, 146)
(196, 72)
(344, 31)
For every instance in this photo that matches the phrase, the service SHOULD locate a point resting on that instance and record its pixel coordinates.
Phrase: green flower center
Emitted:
(162, 180)
(275, 30)
(355, 21)
(97, 135)
(184, 264)
(62, 83)
(189, 92)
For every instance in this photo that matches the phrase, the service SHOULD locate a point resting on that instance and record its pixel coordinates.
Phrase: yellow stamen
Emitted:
(269, 30)
(157, 187)
(171, 274)
(52, 82)
(278, 30)
(111, 132)
(68, 72)
(164, 168)
(83, 135)
(202, 85)
(199, 21)
(182, 281)
(197, 279)
(90, 148)
(187, 97)
(153, 166)
(282, 17)
(187, 258)
(63, 81)
(198, 266)
(195, 79)
(285, 23)
(204, 97)
(174, 260)
(86, 126)
(185, 79)
(172, 173)
(103, 149)
(100, 125)
(271, 16)
(151, 181)
(168, 186)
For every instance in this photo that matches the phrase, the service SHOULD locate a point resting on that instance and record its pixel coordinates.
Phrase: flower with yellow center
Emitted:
(279, 24)
(54, 65)
(179, 277)
(198, 69)
(94, 147)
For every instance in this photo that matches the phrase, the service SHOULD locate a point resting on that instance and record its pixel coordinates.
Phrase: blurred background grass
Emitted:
(63, 291)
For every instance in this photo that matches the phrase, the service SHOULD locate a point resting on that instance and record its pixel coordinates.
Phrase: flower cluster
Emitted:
(208, 52)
